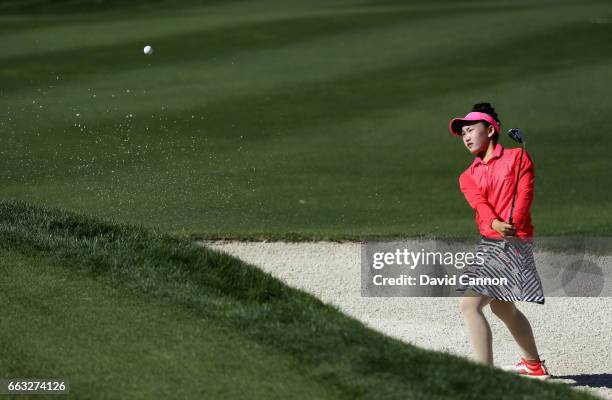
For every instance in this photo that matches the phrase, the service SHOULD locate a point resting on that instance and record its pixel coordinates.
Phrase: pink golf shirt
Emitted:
(488, 188)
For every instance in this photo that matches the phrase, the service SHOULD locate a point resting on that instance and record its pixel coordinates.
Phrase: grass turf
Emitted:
(300, 119)
(123, 311)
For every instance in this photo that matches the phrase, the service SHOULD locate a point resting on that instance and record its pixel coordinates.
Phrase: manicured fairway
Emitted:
(123, 312)
(301, 119)
(274, 119)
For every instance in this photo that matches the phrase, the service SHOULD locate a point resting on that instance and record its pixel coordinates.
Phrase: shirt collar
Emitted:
(497, 152)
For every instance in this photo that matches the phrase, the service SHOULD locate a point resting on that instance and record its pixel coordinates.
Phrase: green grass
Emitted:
(108, 340)
(300, 120)
(126, 312)
(287, 120)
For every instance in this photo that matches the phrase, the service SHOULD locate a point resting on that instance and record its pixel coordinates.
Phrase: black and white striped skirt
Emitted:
(512, 260)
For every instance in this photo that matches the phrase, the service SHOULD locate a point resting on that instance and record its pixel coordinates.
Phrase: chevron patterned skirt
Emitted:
(512, 260)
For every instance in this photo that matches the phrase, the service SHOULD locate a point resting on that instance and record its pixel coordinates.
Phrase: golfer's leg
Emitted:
(478, 328)
(518, 325)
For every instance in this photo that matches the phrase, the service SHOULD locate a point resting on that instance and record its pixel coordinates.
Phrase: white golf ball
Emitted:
(148, 50)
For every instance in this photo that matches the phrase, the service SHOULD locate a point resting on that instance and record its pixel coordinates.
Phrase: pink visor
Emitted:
(456, 123)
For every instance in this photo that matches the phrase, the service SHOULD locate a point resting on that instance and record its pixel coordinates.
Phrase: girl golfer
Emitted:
(488, 186)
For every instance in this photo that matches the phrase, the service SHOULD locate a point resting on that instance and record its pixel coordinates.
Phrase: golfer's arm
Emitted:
(476, 200)
(524, 192)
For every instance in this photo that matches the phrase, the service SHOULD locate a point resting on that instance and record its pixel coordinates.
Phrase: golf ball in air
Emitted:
(148, 50)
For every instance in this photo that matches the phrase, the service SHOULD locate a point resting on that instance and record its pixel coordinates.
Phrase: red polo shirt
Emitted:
(488, 188)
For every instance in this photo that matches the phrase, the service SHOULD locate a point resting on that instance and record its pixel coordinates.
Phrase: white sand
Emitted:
(573, 334)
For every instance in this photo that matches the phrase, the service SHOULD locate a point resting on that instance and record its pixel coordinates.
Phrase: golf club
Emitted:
(516, 135)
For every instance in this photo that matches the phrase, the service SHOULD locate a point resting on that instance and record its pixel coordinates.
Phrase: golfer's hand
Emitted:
(504, 228)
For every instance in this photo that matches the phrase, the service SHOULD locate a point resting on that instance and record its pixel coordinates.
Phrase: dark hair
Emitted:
(487, 108)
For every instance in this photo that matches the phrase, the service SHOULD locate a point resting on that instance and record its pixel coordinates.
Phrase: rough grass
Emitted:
(121, 310)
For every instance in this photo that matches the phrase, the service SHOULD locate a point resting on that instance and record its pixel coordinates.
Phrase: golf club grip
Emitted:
(518, 174)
